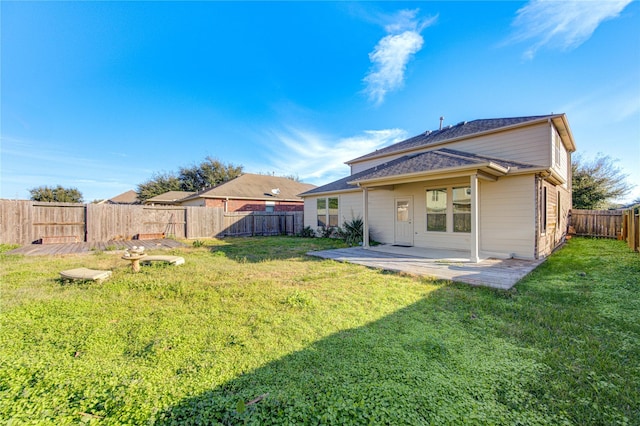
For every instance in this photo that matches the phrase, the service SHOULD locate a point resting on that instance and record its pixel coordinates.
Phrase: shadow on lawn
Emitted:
(561, 348)
(440, 360)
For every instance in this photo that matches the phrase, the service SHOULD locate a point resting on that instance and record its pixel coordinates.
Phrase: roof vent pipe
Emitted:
(441, 120)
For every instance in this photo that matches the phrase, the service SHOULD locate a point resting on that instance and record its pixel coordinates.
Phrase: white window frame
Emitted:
(434, 194)
(449, 209)
(327, 215)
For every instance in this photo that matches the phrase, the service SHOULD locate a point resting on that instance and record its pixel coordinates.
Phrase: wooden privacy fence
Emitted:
(597, 223)
(620, 224)
(24, 222)
(262, 223)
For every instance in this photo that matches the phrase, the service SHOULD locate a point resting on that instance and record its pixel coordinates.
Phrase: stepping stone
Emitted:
(85, 274)
(174, 260)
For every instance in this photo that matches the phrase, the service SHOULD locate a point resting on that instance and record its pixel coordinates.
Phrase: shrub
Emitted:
(307, 232)
(351, 232)
(329, 232)
(198, 243)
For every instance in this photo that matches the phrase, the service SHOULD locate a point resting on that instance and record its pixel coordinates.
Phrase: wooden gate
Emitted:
(59, 223)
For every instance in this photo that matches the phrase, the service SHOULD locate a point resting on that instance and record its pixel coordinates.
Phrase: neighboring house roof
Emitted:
(436, 161)
(129, 197)
(256, 187)
(461, 130)
(168, 197)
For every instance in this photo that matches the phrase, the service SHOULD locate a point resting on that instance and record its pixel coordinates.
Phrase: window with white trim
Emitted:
(462, 209)
(449, 207)
(557, 143)
(437, 210)
(328, 212)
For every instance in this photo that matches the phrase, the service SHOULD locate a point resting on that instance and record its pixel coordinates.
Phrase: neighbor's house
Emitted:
(251, 192)
(169, 198)
(129, 197)
(494, 188)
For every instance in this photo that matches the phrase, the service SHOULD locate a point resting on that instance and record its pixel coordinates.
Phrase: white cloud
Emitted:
(611, 104)
(562, 24)
(393, 52)
(320, 159)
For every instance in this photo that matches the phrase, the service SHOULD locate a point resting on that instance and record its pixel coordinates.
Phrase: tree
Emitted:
(597, 183)
(293, 177)
(57, 194)
(210, 172)
(158, 184)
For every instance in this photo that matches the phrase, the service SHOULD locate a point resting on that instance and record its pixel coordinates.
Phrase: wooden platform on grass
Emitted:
(106, 246)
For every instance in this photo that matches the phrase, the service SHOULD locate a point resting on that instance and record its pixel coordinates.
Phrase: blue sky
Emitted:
(102, 95)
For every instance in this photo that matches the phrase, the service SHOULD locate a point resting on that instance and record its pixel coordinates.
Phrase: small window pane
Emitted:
(333, 212)
(322, 211)
(437, 210)
(402, 211)
(462, 209)
(437, 222)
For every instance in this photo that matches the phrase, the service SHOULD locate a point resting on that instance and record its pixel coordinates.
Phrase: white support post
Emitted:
(475, 258)
(365, 217)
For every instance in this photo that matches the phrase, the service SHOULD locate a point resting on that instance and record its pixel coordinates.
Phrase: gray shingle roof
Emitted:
(436, 160)
(257, 187)
(129, 197)
(169, 197)
(452, 132)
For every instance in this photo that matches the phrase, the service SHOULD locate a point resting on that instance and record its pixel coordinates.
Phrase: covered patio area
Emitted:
(440, 264)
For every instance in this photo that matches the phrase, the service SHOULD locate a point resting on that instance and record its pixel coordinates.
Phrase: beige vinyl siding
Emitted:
(526, 144)
(530, 144)
(350, 206)
(359, 167)
(507, 217)
(381, 214)
(311, 212)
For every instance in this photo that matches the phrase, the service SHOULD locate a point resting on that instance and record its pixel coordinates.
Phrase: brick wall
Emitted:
(255, 205)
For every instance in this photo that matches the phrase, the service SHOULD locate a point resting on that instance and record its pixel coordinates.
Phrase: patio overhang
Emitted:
(474, 175)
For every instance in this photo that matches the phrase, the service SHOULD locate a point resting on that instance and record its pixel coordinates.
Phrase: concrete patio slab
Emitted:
(440, 264)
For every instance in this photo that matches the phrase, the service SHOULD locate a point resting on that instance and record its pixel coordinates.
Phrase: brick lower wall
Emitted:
(255, 205)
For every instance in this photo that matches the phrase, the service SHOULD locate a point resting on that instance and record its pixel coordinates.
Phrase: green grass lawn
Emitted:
(253, 331)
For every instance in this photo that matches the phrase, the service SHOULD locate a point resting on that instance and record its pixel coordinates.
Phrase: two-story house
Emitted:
(492, 187)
